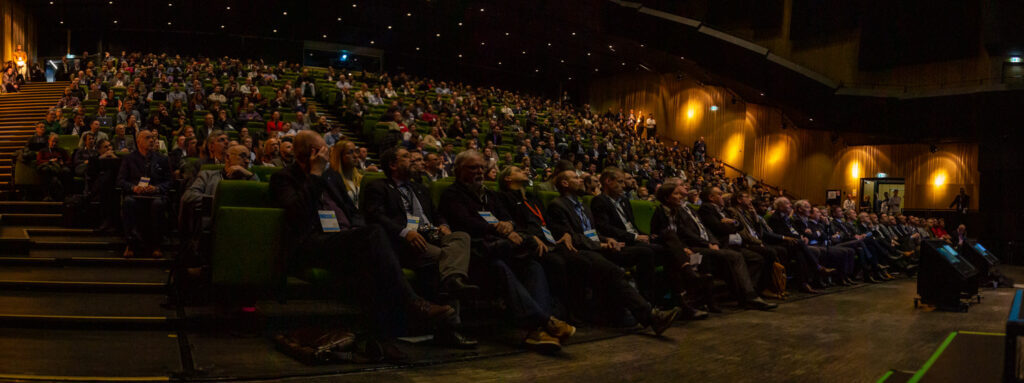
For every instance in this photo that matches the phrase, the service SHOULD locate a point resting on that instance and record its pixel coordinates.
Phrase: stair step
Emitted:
(31, 219)
(30, 207)
(83, 257)
(84, 279)
(60, 309)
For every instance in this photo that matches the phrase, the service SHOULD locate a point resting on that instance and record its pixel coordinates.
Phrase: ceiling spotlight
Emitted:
(62, 21)
(588, 53)
(714, 108)
(810, 119)
(408, 14)
(389, 27)
(481, 9)
(417, 48)
(623, 64)
(499, 62)
(574, 33)
(275, 31)
(228, 8)
(353, 5)
(483, 43)
(115, 21)
(51, 3)
(339, 19)
(549, 44)
(595, 69)
(285, 13)
(460, 55)
(506, 33)
(562, 61)
(372, 42)
(168, 23)
(641, 45)
(170, 4)
(570, 78)
(524, 52)
(536, 71)
(221, 27)
(460, 23)
(762, 94)
(109, 2)
(325, 36)
(437, 35)
(682, 58)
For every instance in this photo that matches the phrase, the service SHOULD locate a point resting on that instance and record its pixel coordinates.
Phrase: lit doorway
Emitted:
(876, 195)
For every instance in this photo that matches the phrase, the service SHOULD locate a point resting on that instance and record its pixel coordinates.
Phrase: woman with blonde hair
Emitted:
(343, 161)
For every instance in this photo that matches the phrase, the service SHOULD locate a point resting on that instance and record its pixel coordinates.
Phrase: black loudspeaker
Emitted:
(945, 277)
(980, 257)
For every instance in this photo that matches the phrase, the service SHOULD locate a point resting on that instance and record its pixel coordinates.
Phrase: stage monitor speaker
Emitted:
(945, 276)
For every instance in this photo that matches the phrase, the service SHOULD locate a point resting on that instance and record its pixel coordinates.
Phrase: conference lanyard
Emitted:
(536, 212)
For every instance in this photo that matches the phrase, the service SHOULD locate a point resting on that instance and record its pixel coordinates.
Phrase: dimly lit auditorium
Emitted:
(511, 191)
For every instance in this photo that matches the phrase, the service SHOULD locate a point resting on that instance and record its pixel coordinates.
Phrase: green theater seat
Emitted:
(437, 188)
(546, 197)
(264, 172)
(643, 212)
(68, 142)
(246, 250)
(212, 167)
(241, 194)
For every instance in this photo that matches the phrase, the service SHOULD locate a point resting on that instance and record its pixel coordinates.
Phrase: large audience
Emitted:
(540, 211)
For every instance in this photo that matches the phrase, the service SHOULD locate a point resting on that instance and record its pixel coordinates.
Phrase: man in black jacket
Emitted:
(785, 222)
(757, 235)
(506, 250)
(144, 178)
(571, 268)
(325, 230)
(405, 211)
(726, 231)
(613, 217)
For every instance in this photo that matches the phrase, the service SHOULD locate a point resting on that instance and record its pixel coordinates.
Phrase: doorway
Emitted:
(876, 194)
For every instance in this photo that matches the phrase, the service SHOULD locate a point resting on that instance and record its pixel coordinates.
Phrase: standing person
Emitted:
(21, 61)
(961, 203)
(700, 149)
(849, 203)
(145, 178)
(895, 203)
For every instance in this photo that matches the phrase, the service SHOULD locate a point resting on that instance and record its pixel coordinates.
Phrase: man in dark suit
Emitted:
(406, 212)
(613, 217)
(785, 222)
(756, 235)
(507, 252)
(575, 270)
(567, 215)
(726, 231)
(684, 224)
(145, 179)
(325, 230)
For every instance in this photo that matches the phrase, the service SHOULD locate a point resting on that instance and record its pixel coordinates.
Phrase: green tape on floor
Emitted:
(935, 356)
(884, 377)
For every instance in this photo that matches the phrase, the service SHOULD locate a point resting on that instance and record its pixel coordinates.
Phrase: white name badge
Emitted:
(144, 181)
(592, 235)
(487, 216)
(329, 221)
(547, 234)
(696, 258)
(735, 239)
(412, 222)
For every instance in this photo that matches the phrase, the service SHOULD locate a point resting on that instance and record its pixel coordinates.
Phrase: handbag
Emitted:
(313, 345)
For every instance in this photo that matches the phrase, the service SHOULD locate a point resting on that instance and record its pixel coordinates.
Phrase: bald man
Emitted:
(325, 230)
(145, 178)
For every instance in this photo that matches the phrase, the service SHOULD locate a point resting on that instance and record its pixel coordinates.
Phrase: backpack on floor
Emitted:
(778, 280)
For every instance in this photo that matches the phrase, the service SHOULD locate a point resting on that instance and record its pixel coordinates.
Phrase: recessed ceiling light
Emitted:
(353, 5)
(285, 13)
(623, 64)
(51, 3)
(62, 21)
(372, 42)
(339, 19)
(506, 33)
(595, 69)
(460, 55)
(325, 36)
(536, 71)
(524, 52)
(228, 8)
(275, 31)
(460, 23)
(588, 53)
(417, 48)
(221, 27)
(682, 58)
(437, 35)
(389, 27)
(168, 23)
(499, 62)
(549, 44)
(641, 45)
(115, 21)
(562, 61)
(574, 33)
(483, 43)
(170, 4)
(762, 94)
(570, 78)
(481, 9)
(810, 119)
(408, 14)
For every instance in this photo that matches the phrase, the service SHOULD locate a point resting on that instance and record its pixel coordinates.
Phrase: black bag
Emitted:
(314, 345)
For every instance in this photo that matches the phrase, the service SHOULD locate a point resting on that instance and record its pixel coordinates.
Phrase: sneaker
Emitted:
(559, 329)
(542, 342)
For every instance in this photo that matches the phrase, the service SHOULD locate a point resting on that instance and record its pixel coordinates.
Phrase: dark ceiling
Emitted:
(552, 46)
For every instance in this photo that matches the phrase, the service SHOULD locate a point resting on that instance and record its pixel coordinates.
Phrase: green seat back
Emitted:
(586, 200)
(212, 167)
(370, 176)
(68, 142)
(264, 172)
(493, 185)
(236, 193)
(643, 212)
(246, 249)
(437, 188)
(546, 197)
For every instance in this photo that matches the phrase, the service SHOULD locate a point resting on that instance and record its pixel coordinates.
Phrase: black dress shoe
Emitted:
(453, 339)
(457, 285)
(431, 313)
(689, 313)
(759, 304)
(661, 320)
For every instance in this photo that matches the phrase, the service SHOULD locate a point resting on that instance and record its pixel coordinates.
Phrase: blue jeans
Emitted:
(523, 285)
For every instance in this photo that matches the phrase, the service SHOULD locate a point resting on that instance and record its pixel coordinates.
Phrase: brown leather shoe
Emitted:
(433, 313)
(540, 341)
(158, 254)
(559, 329)
(128, 252)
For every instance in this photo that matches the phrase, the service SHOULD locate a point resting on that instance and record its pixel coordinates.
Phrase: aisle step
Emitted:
(84, 278)
(49, 309)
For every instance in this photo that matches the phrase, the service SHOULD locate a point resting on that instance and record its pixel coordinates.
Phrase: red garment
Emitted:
(275, 126)
(939, 232)
(44, 156)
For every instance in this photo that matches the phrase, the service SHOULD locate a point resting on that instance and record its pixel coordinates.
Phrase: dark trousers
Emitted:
(769, 255)
(642, 256)
(523, 285)
(143, 221)
(804, 259)
(364, 256)
(840, 258)
(732, 265)
(572, 274)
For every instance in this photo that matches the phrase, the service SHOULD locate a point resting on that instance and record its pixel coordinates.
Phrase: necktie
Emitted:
(703, 232)
(584, 221)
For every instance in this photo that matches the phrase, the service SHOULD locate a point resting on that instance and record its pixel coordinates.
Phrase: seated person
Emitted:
(342, 242)
(785, 221)
(726, 231)
(420, 236)
(613, 217)
(676, 220)
(122, 143)
(286, 157)
(85, 151)
(845, 234)
(343, 161)
(101, 181)
(203, 187)
(94, 128)
(516, 275)
(52, 163)
(144, 178)
(572, 270)
(40, 139)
